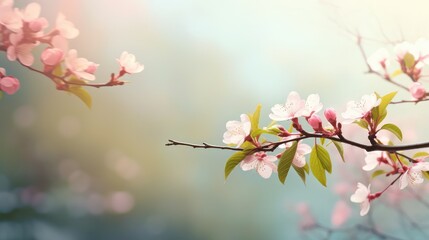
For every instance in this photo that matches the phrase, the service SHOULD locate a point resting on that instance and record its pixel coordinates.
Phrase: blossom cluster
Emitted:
(410, 58)
(368, 113)
(22, 31)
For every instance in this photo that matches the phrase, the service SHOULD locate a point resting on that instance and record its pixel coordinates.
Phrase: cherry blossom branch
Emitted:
(23, 30)
(386, 76)
(410, 101)
(114, 80)
(274, 145)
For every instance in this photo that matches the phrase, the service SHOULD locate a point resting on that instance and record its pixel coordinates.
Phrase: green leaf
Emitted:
(340, 149)
(254, 120)
(322, 141)
(233, 161)
(377, 173)
(324, 157)
(362, 123)
(82, 94)
(301, 172)
(286, 161)
(420, 154)
(409, 60)
(385, 100)
(426, 174)
(316, 167)
(306, 168)
(58, 71)
(393, 129)
(396, 73)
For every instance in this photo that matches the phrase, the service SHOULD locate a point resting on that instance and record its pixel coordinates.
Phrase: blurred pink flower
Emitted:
(340, 214)
(65, 27)
(9, 85)
(129, 64)
(307, 219)
(8, 17)
(81, 67)
(378, 61)
(417, 90)
(403, 48)
(20, 51)
(52, 56)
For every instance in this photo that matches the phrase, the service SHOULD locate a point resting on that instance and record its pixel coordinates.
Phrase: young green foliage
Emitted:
(254, 120)
(237, 157)
(380, 112)
(300, 172)
(340, 149)
(377, 173)
(393, 129)
(319, 163)
(286, 161)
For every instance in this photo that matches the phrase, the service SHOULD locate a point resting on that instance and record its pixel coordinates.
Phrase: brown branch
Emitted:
(274, 145)
(410, 101)
(113, 80)
(370, 70)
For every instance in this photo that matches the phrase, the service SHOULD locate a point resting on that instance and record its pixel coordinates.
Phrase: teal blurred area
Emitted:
(67, 172)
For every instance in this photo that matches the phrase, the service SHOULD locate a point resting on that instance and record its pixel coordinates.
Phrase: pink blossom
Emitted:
(237, 131)
(362, 196)
(315, 122)
(9, 18)
(20, 51)
(128, 63)
(422, 46)
(342, 188)
(291, 109)
(301, 150)
(307, 219)
(373, 159)
(403, 48)
(340, 214)
(2, 72)
(357, 110)
(81, 67)
(262, 162)
(30, 13)
(414, 174)
(65, 27)
(331, 116)
(417, 90)
(9, 85)
(52, 56)
(312, 105)
(379, 60)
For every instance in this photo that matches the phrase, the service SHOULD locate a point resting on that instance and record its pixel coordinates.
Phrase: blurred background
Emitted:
(67, 172)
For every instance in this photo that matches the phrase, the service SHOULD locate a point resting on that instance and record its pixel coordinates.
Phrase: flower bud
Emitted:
(92, 68)
(9, 85)
(417, 90)
(38, 25)
(52, 56)
(331, 116)
(315, 122)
